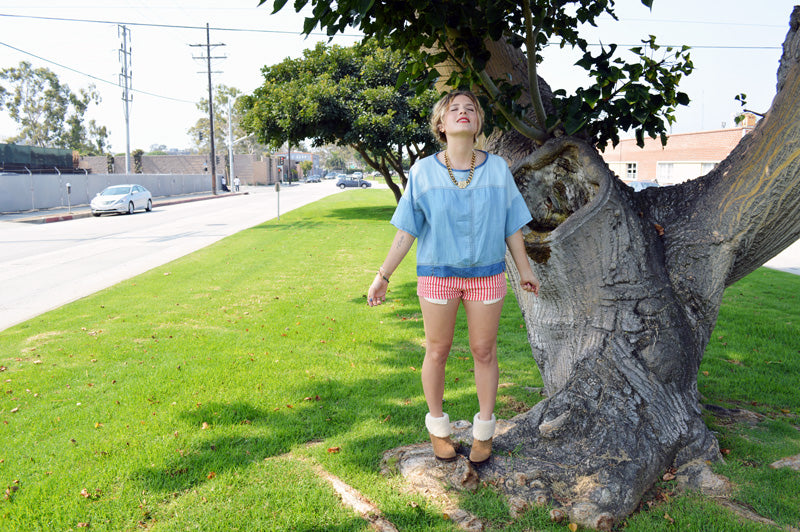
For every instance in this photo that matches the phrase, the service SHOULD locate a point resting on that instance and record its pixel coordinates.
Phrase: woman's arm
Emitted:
(527, 279)
(400, 245)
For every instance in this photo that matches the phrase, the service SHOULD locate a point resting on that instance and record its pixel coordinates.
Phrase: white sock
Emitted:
(483, 430)
(438, 426)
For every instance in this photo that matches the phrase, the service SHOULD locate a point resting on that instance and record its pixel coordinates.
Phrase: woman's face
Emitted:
(461, 118)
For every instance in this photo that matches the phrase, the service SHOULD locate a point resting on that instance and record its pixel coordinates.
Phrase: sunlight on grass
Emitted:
(178, 398)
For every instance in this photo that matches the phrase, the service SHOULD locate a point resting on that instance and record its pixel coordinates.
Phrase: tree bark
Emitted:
(631, 285)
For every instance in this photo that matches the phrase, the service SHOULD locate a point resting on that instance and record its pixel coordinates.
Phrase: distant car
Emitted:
(122, 198)
(313, 179)
(349, 182)
(641, 185)
(357, 175)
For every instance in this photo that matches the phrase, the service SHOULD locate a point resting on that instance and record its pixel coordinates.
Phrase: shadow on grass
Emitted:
(292, 225)
(377, 213)
(330, 412)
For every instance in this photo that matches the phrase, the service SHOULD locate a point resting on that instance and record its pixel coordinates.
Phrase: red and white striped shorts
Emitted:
(441, 289)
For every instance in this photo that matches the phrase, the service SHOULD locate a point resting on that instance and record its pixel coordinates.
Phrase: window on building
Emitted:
(664, 172)
(630, 171)
(707, 167)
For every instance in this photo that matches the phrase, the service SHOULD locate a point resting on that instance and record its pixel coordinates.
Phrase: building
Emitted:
(251, 169)
(686, 155)
(299, 156)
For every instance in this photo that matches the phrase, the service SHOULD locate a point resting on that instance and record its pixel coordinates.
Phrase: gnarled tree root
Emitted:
(592, 450)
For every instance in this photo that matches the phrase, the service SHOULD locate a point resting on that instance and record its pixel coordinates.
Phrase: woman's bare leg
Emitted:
(483, 321)
(440, 321)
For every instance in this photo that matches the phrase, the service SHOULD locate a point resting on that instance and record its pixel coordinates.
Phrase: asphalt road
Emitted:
(44, 266)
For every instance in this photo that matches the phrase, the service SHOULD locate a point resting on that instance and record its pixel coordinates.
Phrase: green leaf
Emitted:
(277, 5)
(365, 6)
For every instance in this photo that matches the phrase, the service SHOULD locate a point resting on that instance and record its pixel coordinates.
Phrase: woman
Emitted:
(463, 206)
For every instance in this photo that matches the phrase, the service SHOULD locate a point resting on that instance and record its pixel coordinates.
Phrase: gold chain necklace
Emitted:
(460, 184)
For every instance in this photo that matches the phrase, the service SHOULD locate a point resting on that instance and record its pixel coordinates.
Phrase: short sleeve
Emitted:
(517, 212)
(407, 217)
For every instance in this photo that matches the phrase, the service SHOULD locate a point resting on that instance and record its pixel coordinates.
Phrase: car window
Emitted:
(115, 191)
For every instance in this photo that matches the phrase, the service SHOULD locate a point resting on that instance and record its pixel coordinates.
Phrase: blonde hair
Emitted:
(441, 107)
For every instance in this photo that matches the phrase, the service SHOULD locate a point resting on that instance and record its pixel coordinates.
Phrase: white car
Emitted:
(122, 198)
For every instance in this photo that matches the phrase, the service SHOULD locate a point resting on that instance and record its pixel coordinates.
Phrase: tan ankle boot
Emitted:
(443, 448)
(482, 433)
(481, 451)
(439, 430)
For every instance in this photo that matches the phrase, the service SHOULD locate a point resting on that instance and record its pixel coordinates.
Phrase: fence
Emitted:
(20, 193)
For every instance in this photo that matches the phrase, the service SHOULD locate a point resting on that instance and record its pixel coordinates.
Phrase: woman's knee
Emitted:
(437, 353)
(485, 354)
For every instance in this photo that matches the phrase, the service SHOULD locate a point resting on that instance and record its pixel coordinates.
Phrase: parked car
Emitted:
(349, 182)
(313, 179)
(122, 198)
(641, 185)
(357, 175)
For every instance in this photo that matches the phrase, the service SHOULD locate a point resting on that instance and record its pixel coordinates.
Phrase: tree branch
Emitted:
(386, 177)
(531, 36)
(532, 132)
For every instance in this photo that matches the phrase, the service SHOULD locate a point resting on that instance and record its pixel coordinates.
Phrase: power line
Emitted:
(295, 33)
(171, 26)
(91, 76)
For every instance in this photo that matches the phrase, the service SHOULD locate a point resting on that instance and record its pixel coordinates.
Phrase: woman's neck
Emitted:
(460, 154)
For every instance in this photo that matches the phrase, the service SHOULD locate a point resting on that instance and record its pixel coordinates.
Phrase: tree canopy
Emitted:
(631, 282)
(349, 96)
(48, 112)
(223, 95)
(458, 40)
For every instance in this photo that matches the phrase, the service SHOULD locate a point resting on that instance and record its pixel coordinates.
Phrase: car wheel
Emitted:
(149, 206)
(341, 186)
(130, 207)
(95, 214)
(364, 185)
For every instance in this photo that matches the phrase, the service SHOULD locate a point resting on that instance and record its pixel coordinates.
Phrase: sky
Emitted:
(736, 48)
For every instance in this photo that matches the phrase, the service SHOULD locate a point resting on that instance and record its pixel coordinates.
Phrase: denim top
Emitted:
(461, 232)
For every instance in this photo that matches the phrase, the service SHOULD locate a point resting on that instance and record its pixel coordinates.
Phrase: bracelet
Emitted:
(380, 272)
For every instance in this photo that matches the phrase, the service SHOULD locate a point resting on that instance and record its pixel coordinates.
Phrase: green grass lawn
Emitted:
(185, 398)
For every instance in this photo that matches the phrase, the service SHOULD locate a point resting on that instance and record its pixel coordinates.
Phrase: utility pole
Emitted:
(231, 176)
(125, 82)
(208, 59)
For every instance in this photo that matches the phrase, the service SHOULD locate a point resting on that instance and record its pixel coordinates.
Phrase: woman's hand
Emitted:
(529, 282)
(377, 291)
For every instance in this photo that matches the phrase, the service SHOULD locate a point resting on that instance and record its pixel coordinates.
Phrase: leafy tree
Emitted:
(200, 131)
(306, 167)
(349, 96)
(49, 114)
(137, 155)
(336, 160)
(631, 282)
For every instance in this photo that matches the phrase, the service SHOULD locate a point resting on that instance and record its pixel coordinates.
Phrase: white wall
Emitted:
(19, 193)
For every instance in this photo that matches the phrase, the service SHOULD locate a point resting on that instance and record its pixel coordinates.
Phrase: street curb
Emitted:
(85, 214)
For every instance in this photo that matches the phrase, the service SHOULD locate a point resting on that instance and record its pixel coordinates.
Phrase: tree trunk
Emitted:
(631, 285)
